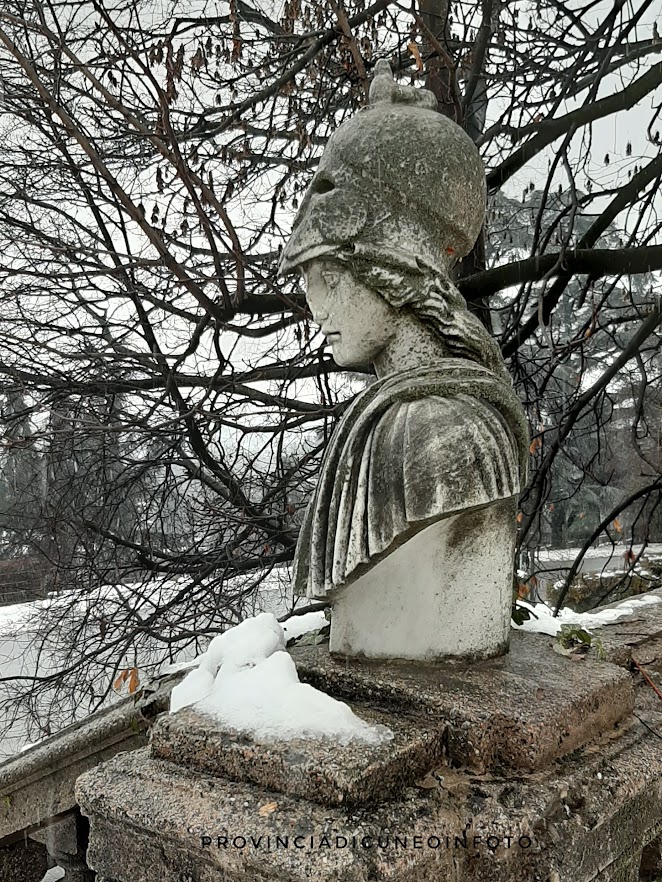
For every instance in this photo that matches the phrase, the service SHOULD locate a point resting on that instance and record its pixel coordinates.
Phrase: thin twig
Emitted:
(643, 673)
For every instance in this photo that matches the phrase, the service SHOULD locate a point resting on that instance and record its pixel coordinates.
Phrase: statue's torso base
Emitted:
(445, 592)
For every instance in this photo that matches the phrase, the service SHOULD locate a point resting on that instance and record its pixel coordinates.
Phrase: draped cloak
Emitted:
(415, 446)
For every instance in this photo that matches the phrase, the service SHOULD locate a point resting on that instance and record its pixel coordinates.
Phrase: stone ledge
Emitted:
(520, 711)
(322, 771)
(634, 633)
(149, 818)
(38, 784)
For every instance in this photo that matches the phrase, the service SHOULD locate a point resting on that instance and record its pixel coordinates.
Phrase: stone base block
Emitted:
(527, 768)
(321, 771)
(520, 711)
(588, 818)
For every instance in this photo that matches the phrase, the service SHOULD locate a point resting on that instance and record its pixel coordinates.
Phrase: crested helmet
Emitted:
(398, 183)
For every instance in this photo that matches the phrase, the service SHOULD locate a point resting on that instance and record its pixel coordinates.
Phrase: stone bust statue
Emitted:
(410, 532)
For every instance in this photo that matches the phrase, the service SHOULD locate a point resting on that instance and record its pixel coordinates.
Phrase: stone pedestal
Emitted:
(425, 602)
(526, 767)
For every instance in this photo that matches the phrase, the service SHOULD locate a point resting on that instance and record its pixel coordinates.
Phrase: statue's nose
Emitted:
(320, 312)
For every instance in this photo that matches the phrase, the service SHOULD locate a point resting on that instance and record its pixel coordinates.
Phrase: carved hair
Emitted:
(436, 302)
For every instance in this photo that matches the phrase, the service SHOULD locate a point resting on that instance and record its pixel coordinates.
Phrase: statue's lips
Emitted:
(332, 336)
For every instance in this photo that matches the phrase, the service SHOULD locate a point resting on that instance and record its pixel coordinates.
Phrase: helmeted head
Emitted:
(398, 183)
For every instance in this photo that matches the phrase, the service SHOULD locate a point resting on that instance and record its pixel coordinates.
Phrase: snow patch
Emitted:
(297, 626)
(607, 550)
(175, 667)
(53, 875)
(248, 682)
(546, 623)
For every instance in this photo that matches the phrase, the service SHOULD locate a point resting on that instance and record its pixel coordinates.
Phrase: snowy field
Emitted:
(21, 653)
(552, 564)
(594, 556)
(19, 624)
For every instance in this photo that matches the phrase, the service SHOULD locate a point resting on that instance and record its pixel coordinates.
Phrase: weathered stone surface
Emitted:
(587, 817)
(65, 839)
(593, 814)
(417, 445)
(462, 565)
(440, 436)
(174, 810)
(519, 711)
(60, 835)
(369, 194)
(650, 866)
(23, 862)
(322, 771)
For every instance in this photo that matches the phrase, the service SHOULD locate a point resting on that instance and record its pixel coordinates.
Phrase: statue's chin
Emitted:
(341, 358)
(351, 363)
(350, 359)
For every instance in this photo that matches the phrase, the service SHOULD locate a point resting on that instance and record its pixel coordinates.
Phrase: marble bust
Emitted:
(410, 531)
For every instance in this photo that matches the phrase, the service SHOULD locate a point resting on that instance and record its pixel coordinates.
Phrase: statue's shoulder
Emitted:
(438, 419)
(445, 452)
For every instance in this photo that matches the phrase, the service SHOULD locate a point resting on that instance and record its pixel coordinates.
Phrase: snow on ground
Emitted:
(607, 551)
(31, 644)
(296, 626)
(19, 653)
(543, 620)
(552, 564)
(248, 681)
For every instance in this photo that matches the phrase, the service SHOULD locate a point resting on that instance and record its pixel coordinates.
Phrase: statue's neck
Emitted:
(412, 346)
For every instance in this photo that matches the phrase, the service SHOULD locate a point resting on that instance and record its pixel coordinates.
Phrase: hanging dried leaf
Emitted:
(121, 680)
(134, 680)
(535, 445)
(416, 55)
(198, 60)
(179, 63)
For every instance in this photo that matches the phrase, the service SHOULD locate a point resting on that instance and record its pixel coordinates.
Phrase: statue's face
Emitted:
(357, 322)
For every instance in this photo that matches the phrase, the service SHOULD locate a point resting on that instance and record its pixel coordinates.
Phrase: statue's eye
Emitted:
(331, 279)
(322, 184)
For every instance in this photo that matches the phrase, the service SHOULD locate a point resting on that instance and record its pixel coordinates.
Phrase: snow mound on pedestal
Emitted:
(248, 682)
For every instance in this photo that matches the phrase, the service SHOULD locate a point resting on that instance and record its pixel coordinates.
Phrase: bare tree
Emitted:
(177, 399)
